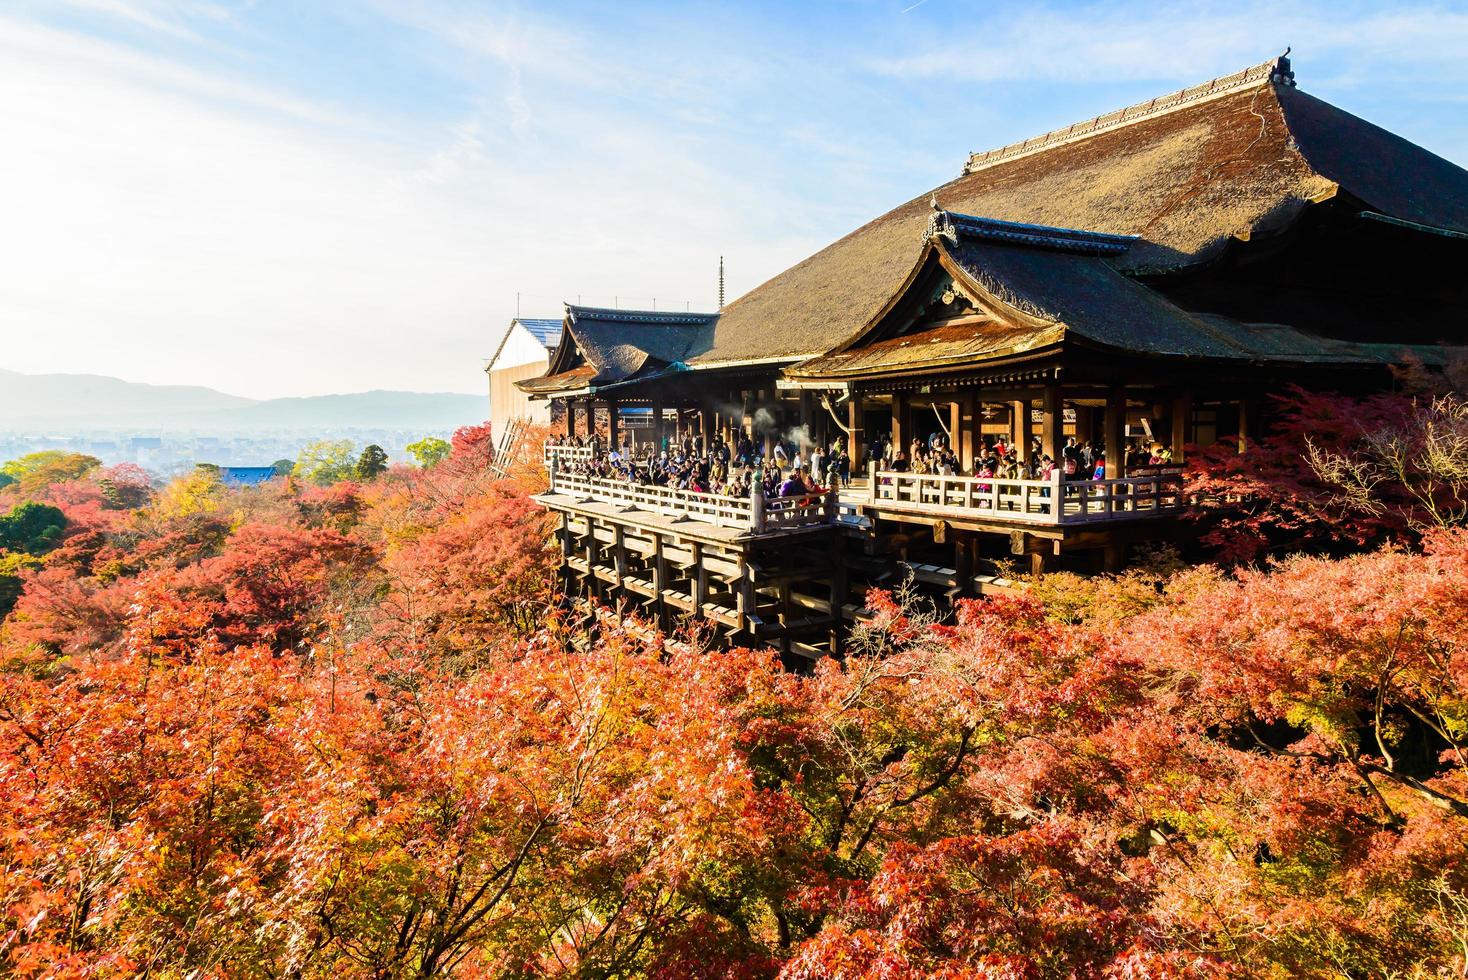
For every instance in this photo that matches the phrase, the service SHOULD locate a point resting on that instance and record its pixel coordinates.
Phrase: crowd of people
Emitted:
(722, 467)
(1080, 459)
(790, 469)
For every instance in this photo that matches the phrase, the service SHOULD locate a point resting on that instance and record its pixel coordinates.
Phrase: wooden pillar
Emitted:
(955, 424)
(700, 581)
(1114, 434)
(705, 415)
(901, 422)
(745, 598)
(1182, 424)
(619, 556)
(1245, 413)
(1054, 412)
(1039, 550)
(613, 429)
(787, 612)
(838, 595)
(659, 581)
(571, 417)
(657, 422)
(567, 546)
(970, 437)
(963, 567)
(855, 440)
(1021, 428)
(1084, 429)
(592, 582)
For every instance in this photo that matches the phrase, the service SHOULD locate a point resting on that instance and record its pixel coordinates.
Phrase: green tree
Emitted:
(372, 463)
(283, 467)
(429, 451)
(325, 462)
(36, 471)
(32, 528)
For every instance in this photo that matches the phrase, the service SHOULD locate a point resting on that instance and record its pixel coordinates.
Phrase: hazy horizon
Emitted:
(280, 200)
(188, 384)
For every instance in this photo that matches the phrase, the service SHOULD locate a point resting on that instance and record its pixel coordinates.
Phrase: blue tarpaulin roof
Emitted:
(246, 476)
(548, 332)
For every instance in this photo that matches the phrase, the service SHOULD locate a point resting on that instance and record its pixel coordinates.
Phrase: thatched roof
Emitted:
(1040, 288)
(1185, 174)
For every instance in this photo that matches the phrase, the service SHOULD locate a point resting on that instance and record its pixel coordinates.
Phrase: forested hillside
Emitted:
(341, 730)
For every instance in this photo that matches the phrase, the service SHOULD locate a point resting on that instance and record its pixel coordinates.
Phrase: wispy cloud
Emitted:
(170, 17)
(190, 192)
(1177, 42)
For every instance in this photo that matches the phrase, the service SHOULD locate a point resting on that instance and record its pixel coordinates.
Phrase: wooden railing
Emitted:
(1156, 493)
(1053, 501)
(754, 513)
(567, 454)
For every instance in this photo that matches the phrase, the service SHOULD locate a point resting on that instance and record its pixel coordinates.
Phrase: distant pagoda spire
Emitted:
(721, 284)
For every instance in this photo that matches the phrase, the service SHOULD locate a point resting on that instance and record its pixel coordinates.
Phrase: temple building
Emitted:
(1152, 275)
(524, 351)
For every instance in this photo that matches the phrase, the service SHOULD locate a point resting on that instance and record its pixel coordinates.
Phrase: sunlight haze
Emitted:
(280, 199)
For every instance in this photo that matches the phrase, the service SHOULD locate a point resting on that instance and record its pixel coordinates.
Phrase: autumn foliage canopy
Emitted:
(342, 731)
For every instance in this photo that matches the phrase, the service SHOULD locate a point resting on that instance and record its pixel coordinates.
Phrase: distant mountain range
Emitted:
(91, 402)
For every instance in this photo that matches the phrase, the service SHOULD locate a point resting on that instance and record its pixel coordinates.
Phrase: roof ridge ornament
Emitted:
(1276, 71)
(940, 223)
(1283, 74)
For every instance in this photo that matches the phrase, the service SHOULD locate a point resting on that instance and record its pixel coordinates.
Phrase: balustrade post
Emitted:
(757, 508)
(872, 479)
(552, 470)
(1057, 496)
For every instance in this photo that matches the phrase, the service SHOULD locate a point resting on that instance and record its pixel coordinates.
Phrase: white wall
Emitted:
(521, 358)
(520, 348)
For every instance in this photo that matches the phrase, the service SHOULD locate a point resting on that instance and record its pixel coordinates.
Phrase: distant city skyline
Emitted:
(277, 199)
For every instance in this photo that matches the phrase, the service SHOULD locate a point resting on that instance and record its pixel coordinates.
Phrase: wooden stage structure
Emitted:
(782, 572)
(1148, 279)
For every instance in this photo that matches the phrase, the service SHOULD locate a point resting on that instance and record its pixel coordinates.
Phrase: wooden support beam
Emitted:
(700, 581)
(963, 566)
(659, 582)
(855, 438)
(1054, 412)
(619, 556)
(901, 422)
(1021, 428)
(657, 421)
(838, 594)
(744, 598)
(1182, 424)
(969, 433)
(1113, 436)
(591, 558)
(614, 429)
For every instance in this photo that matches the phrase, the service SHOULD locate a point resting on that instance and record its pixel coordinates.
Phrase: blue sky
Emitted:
(279, 198)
